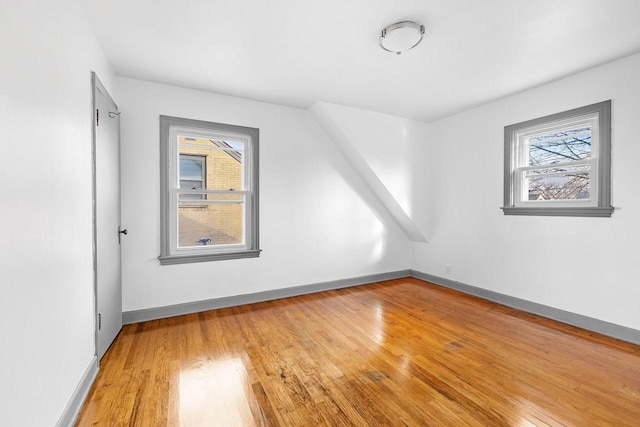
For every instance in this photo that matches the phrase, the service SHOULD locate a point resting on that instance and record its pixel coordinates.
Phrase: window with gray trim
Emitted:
(560, 165)
(209, 191)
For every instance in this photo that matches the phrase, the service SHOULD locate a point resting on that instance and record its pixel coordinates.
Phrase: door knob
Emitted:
(121, 231)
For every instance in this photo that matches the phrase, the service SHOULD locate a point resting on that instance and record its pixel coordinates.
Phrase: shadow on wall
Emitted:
(379, 149)
(378, 225)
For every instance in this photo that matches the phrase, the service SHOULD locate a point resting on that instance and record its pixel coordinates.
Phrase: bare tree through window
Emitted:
(560, 164)
(561, 178)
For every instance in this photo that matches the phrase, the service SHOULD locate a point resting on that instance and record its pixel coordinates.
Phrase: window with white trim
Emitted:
(209, 191)
(559, 165)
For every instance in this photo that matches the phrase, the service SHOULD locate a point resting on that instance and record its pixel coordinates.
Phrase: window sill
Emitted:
(191, 258)
(560, 211)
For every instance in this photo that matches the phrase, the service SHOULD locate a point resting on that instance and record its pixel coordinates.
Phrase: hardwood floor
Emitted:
(402, 352)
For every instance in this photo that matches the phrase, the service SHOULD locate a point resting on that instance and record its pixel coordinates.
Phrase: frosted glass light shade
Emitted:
(401, 36)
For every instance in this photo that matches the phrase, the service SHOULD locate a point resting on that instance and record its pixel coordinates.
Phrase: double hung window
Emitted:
(209, 191)
(560, 164)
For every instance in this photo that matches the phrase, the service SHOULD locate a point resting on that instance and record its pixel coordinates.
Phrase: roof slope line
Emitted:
(369, 177)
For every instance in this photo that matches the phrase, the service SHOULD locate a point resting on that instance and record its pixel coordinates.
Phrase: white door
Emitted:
(107, 230)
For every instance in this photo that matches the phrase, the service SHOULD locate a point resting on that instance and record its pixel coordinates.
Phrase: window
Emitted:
(559, 165)
(209, 191)
(192, 175)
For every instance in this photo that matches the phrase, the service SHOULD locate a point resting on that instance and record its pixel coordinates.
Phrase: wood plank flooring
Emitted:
(402, 352)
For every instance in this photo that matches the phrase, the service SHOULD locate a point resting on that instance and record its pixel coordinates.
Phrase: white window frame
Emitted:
(171, 129)
(516, 151)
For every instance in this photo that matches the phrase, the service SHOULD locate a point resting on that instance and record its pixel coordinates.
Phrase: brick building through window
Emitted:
(217, 221)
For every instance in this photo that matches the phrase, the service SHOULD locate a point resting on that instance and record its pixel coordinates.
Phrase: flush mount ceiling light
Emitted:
(401, 36)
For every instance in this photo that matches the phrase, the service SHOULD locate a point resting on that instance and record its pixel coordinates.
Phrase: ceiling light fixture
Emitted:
(401, 36)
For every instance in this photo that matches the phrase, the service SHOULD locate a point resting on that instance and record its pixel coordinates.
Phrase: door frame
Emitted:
(96, 84)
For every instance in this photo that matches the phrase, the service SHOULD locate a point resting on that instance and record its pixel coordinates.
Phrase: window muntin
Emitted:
(209, 194)
(560, 164)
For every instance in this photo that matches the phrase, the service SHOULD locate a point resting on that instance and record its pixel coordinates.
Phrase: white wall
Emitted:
(583, 265)
(46, 308)
(318, 220)
(391, 155)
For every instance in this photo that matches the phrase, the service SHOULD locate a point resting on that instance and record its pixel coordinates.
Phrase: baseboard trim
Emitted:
(72, 410)
(589, 323)
(136, 316)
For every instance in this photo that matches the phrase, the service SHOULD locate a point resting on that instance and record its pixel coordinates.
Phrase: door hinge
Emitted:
(97, 117)
(99, 321)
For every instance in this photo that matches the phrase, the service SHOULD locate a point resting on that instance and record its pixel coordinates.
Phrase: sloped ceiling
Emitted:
(295, 52)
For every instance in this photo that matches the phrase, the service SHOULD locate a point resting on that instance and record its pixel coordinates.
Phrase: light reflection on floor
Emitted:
(533, 415)
(216, 392)
(378, 325)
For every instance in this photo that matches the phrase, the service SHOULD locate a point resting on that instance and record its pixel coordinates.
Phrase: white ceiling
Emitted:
(296, 52)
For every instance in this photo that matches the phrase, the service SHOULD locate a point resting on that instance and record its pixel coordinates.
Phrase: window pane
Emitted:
(573, 186)
(560, 147)
(216, 221)
(224, 162)
(191, 168)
